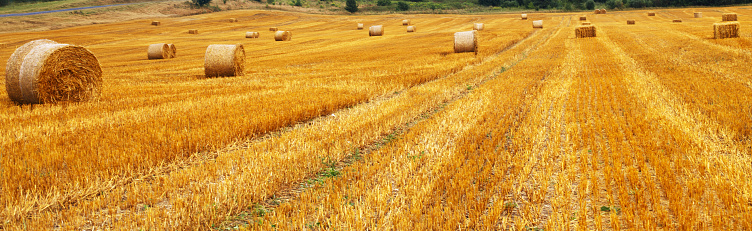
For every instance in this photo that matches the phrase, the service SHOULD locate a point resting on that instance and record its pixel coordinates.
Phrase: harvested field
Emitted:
(646, 126)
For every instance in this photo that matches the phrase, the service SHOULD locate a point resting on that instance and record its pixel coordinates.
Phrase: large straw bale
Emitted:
(466, 41)
(538, 24)
(596, 11)
(583, 18)
(282, 36)
(158, 51)
(603, 11)
(677, 20)
(360, 26)
(584, 31)
(630, 21)
(224, 60)
(252, 34)
(192, 31)
(478, 26)
(406, 22)
(723, 30)
(232, 20)
(411, 29)
(156, 23)
(50, 72)
(651, 13)
(376, 30)
(273, 29)
(728, 17)
(698, 14)
(524, 16)
(173, 50)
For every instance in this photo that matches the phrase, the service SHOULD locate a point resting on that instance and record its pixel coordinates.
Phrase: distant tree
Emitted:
(489, 2)
(298, 3)
(270, 2)
(384, 3)
(615, 4)
(4, 2)
(351, 6)
(590, 5)
(403, 6)
(201, 2)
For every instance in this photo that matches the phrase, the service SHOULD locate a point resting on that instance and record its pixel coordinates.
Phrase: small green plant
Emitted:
(510, 205)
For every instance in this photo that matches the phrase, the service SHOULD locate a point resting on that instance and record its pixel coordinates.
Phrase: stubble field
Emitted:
(643, 127)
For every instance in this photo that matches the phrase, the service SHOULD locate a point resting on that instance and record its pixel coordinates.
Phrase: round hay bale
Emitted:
(538, 24)
(360, 26)
(651, 13)
(193, 31)
(273, 29)
(53, 72)
(406, 22)
(466, 41)
(158, 51)
(630, 21)
(253, 34)
(232, 20)
(282, 36)
(13, 67)
(477, 26)
(156, 23)
(583, 18)
(411, 29)
(376, 30)
(224, 60)
(524, 16)
(698, 14)
(596, 11)
(677, 20)
(603, 11)
(728, 17)
(173, 50)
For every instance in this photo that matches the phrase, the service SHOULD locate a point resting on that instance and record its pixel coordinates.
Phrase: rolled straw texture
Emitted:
(13, 68)
(360, 26)
(584, 31)
(193, 31)
(411, 29)
(273, 29)
(603, 11)
(282, 36)
(723, 30)
(376, 30)
(728, 17)
(538, 24)
(477, 26)
(596, 11)
(158, 51)
(173, 50)
(406, 22)
(252, 34)
(466, 41)
(52, 73)
(224, 60)
(524, 16)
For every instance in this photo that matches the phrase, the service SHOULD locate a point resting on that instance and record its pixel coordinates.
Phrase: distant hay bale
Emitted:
(583, 18)
(723, 30)
(13, 68)
(173, 50)
(406, 22)
(728, 17)
(232, 20)
(698, 14)
(156, 23)
(538, 24)
(43, 71)
(193, 31)
(630, 21)
(376, 30)
(224, 60)
(477, 26)
(466, 41)
(360, 26)
(651, 13)
(252, 34)
(411, 29)
(677, 20)
(273, 29)
(603, 11)
(584, 31)
(524, 16)
(585, 23)
(596, 11)
(282, 36)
